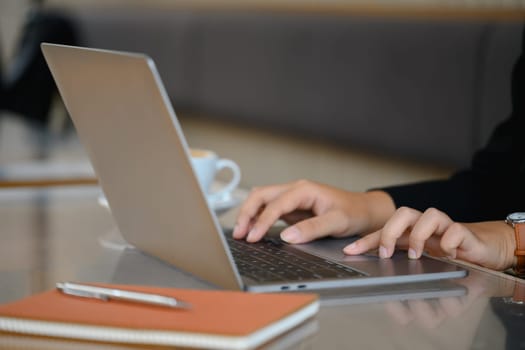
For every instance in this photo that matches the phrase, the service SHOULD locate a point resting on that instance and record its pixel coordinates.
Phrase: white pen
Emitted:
(106, 294)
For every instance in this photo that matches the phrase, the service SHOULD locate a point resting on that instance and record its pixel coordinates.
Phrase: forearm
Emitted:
(380, 207)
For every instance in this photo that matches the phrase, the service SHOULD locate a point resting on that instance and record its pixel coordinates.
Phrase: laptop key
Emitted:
(270, 260)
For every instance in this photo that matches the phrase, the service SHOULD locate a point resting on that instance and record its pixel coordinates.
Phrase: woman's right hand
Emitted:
(313, 210)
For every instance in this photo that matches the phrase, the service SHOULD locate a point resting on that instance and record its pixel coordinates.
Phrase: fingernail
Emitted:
(412, 254)
(251, 235)
(383, 253)
(291, 235)
(350, 247)
(235, 230)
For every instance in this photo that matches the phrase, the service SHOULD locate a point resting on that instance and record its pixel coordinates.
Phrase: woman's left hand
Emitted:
(490, 244)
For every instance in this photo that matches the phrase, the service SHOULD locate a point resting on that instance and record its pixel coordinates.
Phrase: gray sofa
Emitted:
(428, 90)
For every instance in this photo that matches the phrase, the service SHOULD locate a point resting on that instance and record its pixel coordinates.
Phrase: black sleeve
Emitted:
(494, 184)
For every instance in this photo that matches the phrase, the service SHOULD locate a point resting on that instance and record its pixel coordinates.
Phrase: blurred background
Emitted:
(357, 94)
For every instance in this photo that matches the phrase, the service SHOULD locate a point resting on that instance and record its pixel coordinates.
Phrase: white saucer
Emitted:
(225, 203)
(219, 205)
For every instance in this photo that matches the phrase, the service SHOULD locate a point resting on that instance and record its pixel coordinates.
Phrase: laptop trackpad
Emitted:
(371, 264)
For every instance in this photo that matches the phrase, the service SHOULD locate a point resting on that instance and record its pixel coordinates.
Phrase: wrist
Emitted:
(379, 208)
(517, 222)
(511, 247)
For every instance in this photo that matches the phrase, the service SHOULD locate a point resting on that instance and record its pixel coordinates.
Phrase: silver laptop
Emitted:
(127, 125)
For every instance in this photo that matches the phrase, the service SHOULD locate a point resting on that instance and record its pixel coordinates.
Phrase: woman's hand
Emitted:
(313, 210)
(490, 244)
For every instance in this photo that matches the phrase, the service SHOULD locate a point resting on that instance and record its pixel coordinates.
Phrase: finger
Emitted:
(296, 216)
(452, 306)
(399, 312)
(431, 222)
(363, 245)
(403, 219)
(459, 242)
(332, 223)
(250, 209)
(289, 200)
(428, 315)
(433, 246)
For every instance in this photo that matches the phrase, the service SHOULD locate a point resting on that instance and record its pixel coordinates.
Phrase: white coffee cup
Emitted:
(207, 165)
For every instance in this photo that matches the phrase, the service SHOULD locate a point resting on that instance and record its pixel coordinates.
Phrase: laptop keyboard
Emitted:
(271, 260)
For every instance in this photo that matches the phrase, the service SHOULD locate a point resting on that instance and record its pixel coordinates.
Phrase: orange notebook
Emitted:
(217, 319)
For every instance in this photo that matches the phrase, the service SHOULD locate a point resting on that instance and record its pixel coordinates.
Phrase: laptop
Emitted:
(135, 267)
(126, 123)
